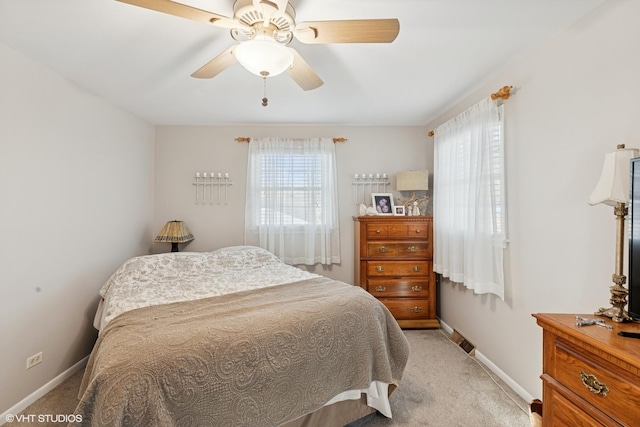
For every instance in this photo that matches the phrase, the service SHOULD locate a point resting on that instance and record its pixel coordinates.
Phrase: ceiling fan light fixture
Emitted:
(260, 56)
(265, 27)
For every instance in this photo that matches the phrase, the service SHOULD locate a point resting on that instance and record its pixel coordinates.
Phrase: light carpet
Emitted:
(443, 386)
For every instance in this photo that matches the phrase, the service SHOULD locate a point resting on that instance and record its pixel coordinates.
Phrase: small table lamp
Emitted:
(174, 232)
(417, 180)
(613, 190)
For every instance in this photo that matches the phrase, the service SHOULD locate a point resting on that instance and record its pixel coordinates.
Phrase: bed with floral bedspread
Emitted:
(234, 337)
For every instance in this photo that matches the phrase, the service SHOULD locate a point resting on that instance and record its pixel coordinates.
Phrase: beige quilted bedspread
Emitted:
(254, 358)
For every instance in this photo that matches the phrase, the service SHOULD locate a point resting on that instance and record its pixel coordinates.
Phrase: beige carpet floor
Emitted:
(442, 387)
(445, 387)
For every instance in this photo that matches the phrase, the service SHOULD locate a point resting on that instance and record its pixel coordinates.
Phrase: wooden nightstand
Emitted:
(591, 375)
(394, 263)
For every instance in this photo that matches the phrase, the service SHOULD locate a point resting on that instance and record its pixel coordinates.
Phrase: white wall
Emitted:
(576, 99)
(183, 151)
(76, 199)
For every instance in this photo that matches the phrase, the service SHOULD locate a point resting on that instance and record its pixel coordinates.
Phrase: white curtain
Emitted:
(469, 199)
(292, 199)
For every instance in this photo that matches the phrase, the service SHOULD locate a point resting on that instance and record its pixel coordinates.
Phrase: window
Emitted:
(291, 205)
(295, 182)
(469, 199)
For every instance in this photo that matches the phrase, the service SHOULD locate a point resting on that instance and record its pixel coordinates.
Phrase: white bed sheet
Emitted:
(151, 279)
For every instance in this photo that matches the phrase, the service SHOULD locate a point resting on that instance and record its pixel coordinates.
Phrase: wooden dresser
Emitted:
(394, 264)
(591, 375)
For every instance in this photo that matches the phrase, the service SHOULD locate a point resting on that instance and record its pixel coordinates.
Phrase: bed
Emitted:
(234, 337)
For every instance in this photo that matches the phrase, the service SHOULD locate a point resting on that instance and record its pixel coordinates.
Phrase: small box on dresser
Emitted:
(394, 262)
(590, 374)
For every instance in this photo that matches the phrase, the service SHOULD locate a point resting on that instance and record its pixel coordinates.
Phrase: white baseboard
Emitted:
(446, 327)
(24, 403)
(499, 373)
(504, 377)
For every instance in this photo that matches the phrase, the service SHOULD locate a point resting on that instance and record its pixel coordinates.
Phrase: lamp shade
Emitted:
(264, 56)
(416, 180)
(613, 186)
(174, 232)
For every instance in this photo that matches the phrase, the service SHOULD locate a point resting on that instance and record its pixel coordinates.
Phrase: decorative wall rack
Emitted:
(212, 188)
(367, 183)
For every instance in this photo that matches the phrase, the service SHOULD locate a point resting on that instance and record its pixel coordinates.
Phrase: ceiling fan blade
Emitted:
(302, 73)
(216, 65)
(188, 12)
(349, 31)
(278, 6)
(270, 9)
(267, 8)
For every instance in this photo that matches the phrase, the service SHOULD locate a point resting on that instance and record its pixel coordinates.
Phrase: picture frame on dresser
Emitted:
(383, 203)
(398, 211)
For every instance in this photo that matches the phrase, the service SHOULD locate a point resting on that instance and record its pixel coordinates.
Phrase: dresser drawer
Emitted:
(561, 412)
(418, 231)
(399, 249)
(598, 382)
(397, 268)
(407, 309)
(377, 231)
(397, 231)
(381, 288)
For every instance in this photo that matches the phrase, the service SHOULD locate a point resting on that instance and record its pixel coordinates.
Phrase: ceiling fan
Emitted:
(264, 28)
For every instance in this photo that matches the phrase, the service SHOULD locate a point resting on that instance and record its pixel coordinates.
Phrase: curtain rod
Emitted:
(502, 93)
(247, 139)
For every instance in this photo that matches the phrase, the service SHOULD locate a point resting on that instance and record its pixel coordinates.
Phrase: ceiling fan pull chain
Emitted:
(264, 75)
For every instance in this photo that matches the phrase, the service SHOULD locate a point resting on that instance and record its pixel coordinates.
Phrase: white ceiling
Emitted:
(142, 60)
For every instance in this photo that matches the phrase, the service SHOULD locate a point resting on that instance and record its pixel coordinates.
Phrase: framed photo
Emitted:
(398, 210)
(383, 203)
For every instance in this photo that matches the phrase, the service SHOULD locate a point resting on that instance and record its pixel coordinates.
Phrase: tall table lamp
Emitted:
(416, 180)
(613, 190)
(174, 232)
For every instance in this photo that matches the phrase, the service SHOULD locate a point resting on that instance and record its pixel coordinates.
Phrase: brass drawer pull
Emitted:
(413, 249)
(593, 384)
(416, 268)
(379, 269)
(418, 231)
(380, 289)
(382, 249)
(416, 309)
(378, 231)
(416, 288)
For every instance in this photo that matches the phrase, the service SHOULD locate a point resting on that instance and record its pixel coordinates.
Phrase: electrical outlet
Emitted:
(34, 360)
